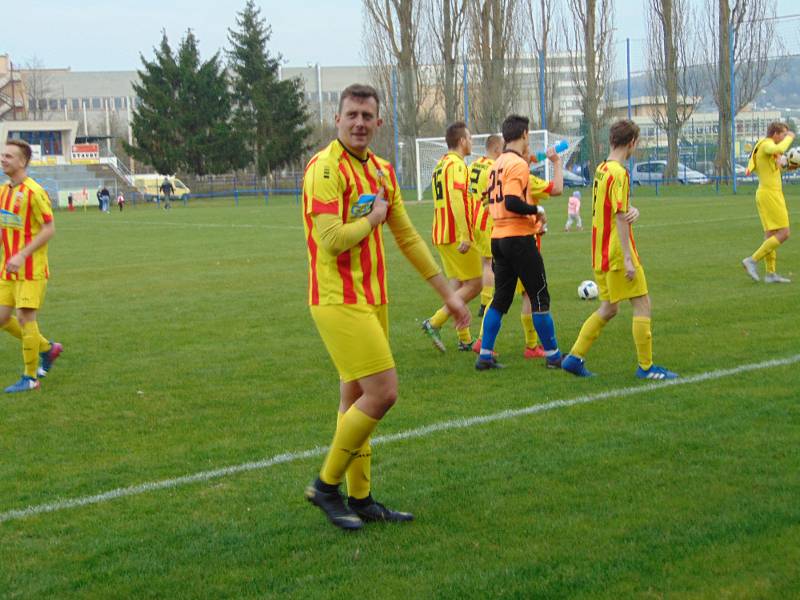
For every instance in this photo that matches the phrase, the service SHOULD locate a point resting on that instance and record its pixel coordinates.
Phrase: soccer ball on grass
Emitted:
(587, 290)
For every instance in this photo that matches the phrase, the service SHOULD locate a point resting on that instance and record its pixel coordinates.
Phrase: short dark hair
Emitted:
(776, 127)
(622, 133)
(455, 132)
(361, 91)
(494, 141)
(24, 146)
(514, 127)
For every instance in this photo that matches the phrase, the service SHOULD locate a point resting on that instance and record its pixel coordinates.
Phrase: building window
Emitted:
(119, 103)
(76, 104)
(53, 104)
(97, 104)
(50, 141)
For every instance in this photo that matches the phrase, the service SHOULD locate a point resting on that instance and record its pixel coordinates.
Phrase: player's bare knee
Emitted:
(608, 311)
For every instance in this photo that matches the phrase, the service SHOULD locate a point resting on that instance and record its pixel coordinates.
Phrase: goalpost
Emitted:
(430, 150)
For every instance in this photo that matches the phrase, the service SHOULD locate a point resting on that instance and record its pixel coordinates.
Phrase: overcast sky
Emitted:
(110, 35)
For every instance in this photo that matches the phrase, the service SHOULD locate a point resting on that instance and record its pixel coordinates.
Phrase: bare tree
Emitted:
(754, 41)
(674, 83)
(445, 23)
(590, 43)
(39, 85)
(494, 48)
(393, 44)
(543, 20)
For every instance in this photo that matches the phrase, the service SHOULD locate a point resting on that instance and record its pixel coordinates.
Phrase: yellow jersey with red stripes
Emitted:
(611, 194)
(538, 189)
(334, 182)
(479, 193)
(24, 208)
(452, 217)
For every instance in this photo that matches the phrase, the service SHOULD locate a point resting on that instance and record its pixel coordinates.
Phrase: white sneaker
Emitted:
(750, 266)
(775, 278)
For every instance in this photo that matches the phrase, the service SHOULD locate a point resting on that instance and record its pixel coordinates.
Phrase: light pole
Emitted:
(400, 163)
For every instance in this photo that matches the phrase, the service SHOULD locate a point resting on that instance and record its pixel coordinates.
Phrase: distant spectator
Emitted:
(574, 212)
(100, 199)
(167, 189)
(70, 206)
(105, 199)
(120, 201)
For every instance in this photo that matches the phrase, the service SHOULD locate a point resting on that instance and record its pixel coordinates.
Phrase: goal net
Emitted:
(430, 150)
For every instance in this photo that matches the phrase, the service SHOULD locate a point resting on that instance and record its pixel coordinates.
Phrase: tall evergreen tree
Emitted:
(183, 118)
(154, 124)
(269, 114)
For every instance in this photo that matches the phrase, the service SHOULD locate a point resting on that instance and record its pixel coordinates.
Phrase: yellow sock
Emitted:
(358, 472)
(12, 327)
(357, 475)
(768, 246)
(589, 333)
(352, 433)
(531, 339)
(487, 293)
(771, 261)
(30, 347)
(464, 335)
(643, 338)
(439, 318)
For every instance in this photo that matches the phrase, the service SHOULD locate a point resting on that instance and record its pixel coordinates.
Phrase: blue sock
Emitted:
(492, 320)
(546, 330)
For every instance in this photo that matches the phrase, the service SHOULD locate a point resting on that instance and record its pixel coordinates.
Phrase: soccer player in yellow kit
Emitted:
(348, 193)
(26, 225)
(764, 162)
(453, 231)
(615, 260)
(481, 219)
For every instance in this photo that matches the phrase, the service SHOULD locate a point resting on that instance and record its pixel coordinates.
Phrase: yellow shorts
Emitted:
(772, 209)
(483, 243)
(357, 338)
(614, 286)
(23, 294)
(461, 266)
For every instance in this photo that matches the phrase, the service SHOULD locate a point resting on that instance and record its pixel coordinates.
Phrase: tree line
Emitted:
(417, 50)
(215, 116)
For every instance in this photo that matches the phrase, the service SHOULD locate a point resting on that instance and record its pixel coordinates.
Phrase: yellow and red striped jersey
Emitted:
(23, 210)
(538, 189)
(452, 217)
(479, 193)
(334, 181)
(611, 194)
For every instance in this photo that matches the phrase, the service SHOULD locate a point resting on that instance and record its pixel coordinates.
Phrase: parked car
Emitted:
(652, 171)
(570, 178)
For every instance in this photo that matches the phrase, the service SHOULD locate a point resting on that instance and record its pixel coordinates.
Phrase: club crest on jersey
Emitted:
(10, 220)
(363, 206)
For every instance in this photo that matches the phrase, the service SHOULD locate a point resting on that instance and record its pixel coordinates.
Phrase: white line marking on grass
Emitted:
(463, 423)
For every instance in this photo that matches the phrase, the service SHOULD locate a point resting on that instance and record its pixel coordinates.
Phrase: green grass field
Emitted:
(189, 348)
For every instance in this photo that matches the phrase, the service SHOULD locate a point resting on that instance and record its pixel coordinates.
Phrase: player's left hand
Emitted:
(630, 270)
(464, 247)
(632, 215)
(14, 264)
(459, 310)
(552, 155)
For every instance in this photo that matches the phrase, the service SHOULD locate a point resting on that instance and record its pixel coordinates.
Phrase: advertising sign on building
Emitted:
(36, 152)
(86, 153)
